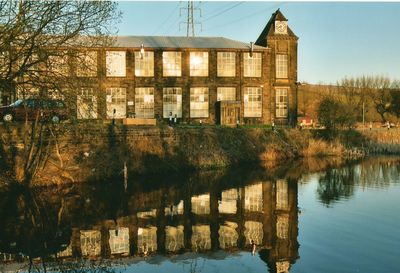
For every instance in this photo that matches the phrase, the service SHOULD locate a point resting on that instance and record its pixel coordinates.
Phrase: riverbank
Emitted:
(87, 153)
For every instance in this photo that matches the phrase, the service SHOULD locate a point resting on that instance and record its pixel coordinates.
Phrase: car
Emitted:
(22, 109)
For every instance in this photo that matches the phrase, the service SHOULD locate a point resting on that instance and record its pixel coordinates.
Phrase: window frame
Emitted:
(249, 103)
(144, 64)
(281, 105)
(144, 109)
(202, 68)
(177, 62)
(281, 66)
(117, 70)
(118, 97)
(221, 94)
(87, 96)
(201, 99)
(178, 103)
(85, 71)
(252, 65)
(226, 67)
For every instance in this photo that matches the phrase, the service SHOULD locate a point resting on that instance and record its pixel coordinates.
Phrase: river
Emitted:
(325, 217)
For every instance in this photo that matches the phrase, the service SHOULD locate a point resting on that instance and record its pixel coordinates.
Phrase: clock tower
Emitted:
(282, 42)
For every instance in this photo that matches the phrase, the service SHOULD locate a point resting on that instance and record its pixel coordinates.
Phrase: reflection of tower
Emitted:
(282, 249)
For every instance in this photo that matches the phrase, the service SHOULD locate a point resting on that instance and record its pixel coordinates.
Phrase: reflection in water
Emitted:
(119, 240)
(201, 204)
(253, 200)
(90, 242)
(210, 217)
(228, 236)
(174, 209)
(228, 201)
(228, 213)
(147, 240)
(253, 232)
(174, 240)
(201, 239)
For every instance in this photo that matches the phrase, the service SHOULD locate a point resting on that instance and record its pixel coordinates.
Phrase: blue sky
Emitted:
(336, 39)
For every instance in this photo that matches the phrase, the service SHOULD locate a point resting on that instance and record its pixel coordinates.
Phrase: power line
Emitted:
(223, 11)
(162, 25)
(245, 17)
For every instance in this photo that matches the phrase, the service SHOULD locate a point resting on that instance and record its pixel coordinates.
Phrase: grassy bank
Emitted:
(103, 150)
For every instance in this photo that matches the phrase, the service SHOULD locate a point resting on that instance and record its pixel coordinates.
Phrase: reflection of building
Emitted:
(119, 240)
(90, 242)
(264, 213)
(174, 240)
(224, 218)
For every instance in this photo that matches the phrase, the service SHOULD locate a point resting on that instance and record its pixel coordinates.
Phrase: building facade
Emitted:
(154, 77)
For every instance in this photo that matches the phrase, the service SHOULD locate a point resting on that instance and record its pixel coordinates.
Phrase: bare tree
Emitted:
(380, 95)
(43, 46)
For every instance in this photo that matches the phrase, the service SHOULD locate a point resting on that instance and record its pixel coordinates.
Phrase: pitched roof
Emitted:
(181, 42)
(270, 31)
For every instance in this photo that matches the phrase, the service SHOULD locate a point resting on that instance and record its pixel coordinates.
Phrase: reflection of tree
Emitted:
(336, 184)
(36, 230)
(379, 173)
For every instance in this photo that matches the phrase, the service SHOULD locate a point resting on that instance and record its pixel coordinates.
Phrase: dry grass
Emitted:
(319, 148)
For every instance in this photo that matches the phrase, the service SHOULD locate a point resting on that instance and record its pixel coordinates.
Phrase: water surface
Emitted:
(328, 219)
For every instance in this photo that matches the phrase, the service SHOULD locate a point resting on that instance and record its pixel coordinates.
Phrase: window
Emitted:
(87, 64)
(226, 93)
(201, 204)
(172, 64)
(144, 64)
(147, 239)
(253, 102)
(228, 236)
(116, 63)
(199, 64)
(199, 102)
(86, 104)
(4, 59)
(282, 226)
(31, 62)
(201, 237)
(253, 231)
(281, 103)
(119, 240)
(252, 65)
(228, 203)
(172, 102)
(90, 242)
(27, 92)
(116, 102)
(144, 102)
(56, 94)
(281, 66)
(282, 198)
(58, 64)
(226, 64)
(174, 238)
(253, 198)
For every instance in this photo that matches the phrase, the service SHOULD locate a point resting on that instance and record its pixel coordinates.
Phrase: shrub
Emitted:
(333, 114)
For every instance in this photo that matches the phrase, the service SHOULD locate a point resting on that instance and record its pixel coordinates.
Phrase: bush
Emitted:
(333, 114)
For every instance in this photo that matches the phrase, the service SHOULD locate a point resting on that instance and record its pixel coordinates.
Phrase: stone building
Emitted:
(146, 78)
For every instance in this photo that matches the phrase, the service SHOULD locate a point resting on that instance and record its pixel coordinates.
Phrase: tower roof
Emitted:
(269, 30)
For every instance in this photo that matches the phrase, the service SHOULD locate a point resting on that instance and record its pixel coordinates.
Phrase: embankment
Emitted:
(96, 152)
